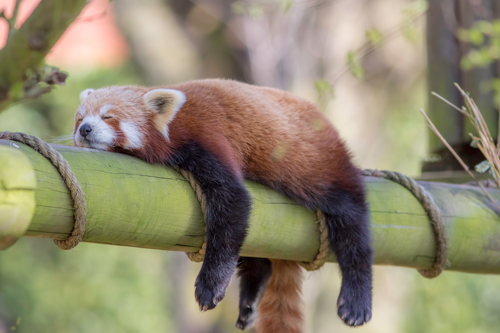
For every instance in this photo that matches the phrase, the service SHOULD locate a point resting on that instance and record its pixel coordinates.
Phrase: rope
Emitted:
(324, 246)
(200, 255)
(432, 210)
(80, 210)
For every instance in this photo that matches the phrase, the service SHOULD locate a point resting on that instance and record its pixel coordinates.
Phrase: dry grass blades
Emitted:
(484, 141)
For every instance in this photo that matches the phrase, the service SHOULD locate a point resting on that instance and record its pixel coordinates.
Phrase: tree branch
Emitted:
(22, 68)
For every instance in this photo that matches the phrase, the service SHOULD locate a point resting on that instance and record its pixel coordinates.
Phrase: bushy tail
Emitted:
(280, 309)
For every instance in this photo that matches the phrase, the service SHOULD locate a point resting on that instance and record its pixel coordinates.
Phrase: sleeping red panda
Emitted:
(223, 131)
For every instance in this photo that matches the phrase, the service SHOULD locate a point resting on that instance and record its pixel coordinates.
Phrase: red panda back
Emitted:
(272, 135)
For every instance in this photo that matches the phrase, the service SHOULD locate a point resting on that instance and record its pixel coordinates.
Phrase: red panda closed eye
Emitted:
(223, 131)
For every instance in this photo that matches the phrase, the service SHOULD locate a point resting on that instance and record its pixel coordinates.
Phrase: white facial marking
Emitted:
(86, 93)
(81, 110)
(132, 133)
(101, 137)
(105, 109)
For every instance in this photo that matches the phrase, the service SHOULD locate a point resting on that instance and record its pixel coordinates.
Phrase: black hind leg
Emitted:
(254, 274)
(348, 227)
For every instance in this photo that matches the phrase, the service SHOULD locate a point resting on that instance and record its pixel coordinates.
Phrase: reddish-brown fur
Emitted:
(255, 129)
(260, 133)
(280, 309)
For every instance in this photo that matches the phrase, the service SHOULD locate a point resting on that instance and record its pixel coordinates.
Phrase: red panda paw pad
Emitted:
(208, 298)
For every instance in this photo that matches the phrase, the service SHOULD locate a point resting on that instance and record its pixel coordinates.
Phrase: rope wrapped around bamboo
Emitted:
(80, 211)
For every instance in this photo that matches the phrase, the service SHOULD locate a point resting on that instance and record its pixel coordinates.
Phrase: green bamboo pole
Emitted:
(131, 203)
(17, 195)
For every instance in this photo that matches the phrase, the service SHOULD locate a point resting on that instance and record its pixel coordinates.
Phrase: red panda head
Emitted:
(125, 118)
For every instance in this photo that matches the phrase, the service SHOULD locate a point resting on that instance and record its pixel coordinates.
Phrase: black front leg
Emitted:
(227, 209)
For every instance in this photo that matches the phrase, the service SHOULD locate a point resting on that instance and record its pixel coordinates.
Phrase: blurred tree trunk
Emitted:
(445, 51)
(265, 45)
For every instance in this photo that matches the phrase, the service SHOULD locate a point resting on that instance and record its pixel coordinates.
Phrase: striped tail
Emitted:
(280, 309)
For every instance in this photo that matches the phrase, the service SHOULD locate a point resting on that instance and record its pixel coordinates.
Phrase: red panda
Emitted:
(223, 131)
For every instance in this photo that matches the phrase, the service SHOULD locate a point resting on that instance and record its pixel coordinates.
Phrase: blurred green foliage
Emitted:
(98, 288)
(409, 27)
(255, 11)
(453, 303)
(354, 64)
(93, 288)
(484, 38)
(325, 93)
(375, 36)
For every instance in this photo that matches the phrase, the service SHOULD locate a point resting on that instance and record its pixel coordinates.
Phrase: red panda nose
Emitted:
(85, 130)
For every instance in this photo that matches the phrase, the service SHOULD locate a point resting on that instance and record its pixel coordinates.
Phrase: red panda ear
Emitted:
(165, 103)
(86, 93)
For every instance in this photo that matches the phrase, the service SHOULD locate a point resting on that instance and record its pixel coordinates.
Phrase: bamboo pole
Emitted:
(131, 203)
(17, 195)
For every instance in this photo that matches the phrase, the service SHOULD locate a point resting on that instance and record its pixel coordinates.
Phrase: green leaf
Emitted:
(415, 8)
(476, 36)
(323, 86)
(355, 66)
(483, 166)
(410, 11)
(410, 32)
(496, 28)
(466, 64)
(492, 172)
(375, 36)
(474, 142)
(494, 52)
(485, 27)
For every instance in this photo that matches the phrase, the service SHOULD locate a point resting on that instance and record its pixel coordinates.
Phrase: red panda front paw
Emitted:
(354, 308)
(208, 296)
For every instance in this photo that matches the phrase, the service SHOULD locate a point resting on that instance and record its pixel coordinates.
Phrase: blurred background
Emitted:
(364, 62)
